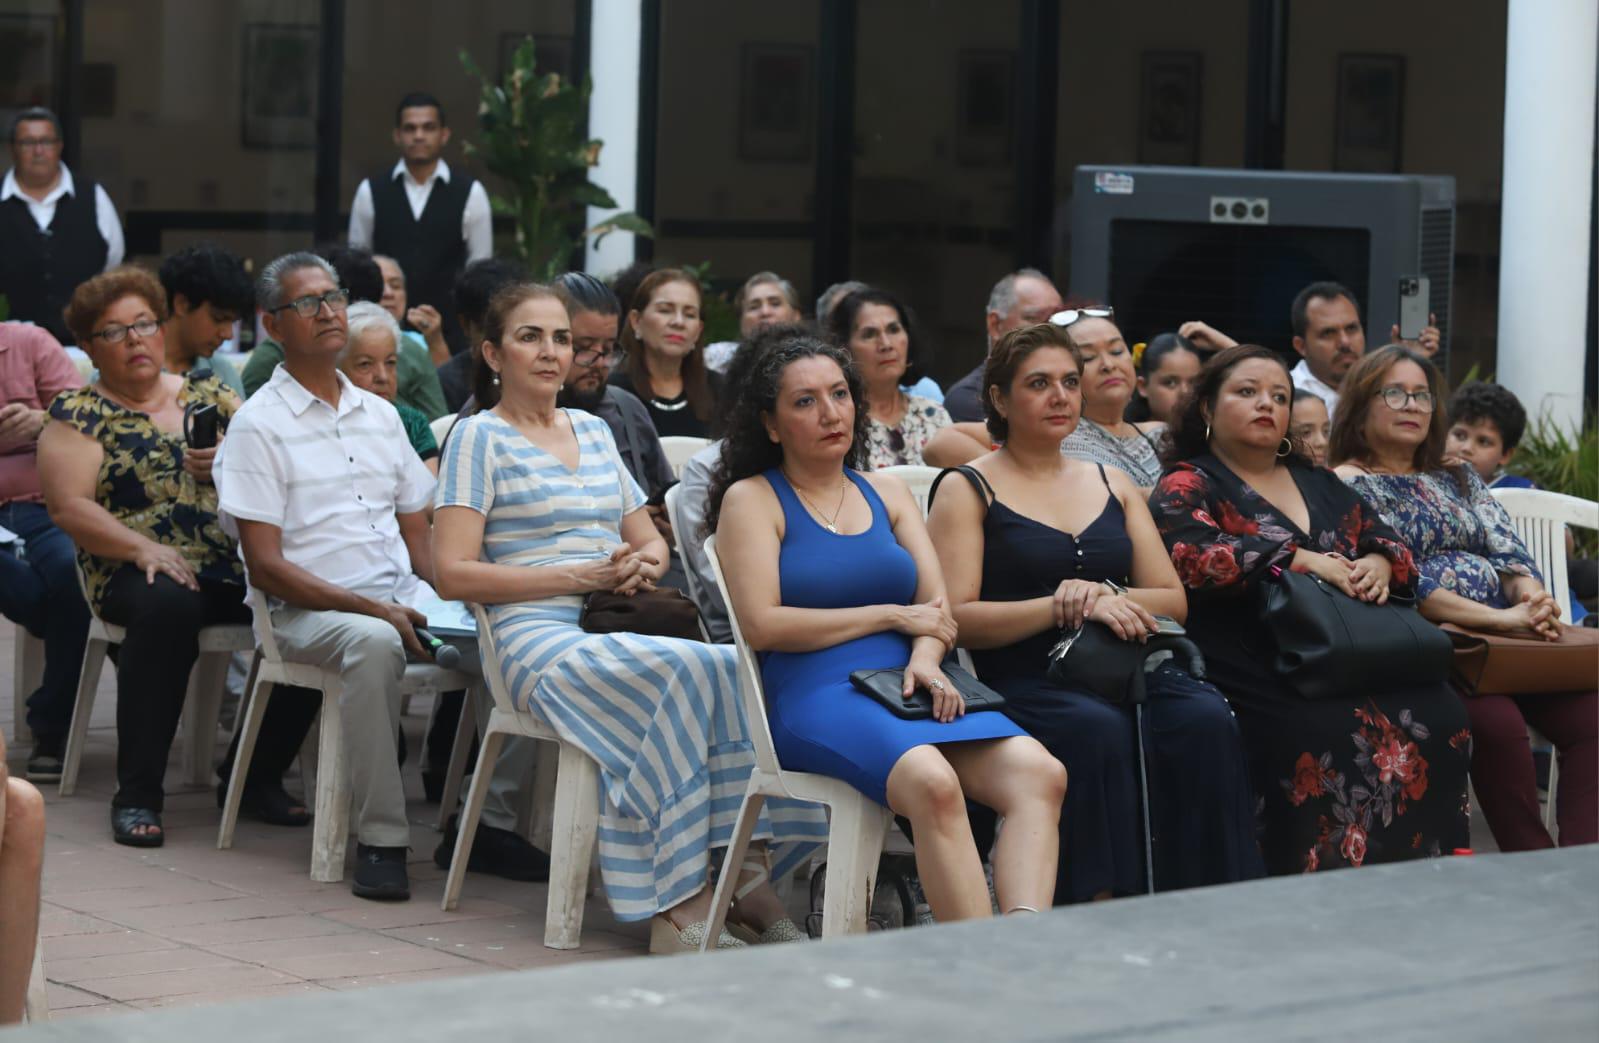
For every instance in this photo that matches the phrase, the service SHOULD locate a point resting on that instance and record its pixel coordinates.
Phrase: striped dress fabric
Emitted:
(661, 716)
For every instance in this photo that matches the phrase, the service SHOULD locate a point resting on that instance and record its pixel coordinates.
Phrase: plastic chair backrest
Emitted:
(680, 449)
(261, 623)
(440, 427)
(492, 674)
(1540, 518)
(918, 477)
(674, 503)
(752, 693)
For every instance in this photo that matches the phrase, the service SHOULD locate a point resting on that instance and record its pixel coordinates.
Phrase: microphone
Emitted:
(447, 656)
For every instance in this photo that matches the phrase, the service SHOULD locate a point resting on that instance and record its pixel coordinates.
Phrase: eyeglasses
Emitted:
(1399, 398)
(1066, 318)
(611, 356)
(116, 332)
(306, 307)
(40, 144)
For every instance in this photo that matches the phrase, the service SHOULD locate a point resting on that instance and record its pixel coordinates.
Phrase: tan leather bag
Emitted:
(1497, 664)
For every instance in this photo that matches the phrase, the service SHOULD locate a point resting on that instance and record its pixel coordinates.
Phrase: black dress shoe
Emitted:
(45, 762)
(496, 851)
(380, 874)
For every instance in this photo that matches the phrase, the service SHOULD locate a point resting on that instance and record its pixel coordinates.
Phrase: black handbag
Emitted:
(1330, 645)
(1093, 659)
(888, 688)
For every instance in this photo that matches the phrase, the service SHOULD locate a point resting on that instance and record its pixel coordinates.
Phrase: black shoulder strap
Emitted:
(1106, 480)
(985, 492)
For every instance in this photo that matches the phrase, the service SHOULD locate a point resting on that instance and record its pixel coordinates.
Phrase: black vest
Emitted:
(39, 270)
(429, 249)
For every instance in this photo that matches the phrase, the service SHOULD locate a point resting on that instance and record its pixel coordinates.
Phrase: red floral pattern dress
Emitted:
(1374, 777)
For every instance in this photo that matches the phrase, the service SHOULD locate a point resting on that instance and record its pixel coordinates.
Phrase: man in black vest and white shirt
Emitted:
(56, 231)
(430, 220)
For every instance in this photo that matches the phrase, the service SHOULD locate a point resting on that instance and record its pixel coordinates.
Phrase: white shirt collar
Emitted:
(1303, 377)
(440, 172)
(64, 187)
(298, 399)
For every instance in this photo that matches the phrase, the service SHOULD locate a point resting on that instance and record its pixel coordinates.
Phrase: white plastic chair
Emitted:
(440, 427)
(577, 804)
(330, 780)
(1540, 518)
(680, 449)
(202, 705)
(674, 506)
(27, 671)
(36, 1004)
(918, 477)
(856, 823)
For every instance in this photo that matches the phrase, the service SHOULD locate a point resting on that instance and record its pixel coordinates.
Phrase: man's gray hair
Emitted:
(364, 317)
(269, 287)
(833, 294)
(1002, 298)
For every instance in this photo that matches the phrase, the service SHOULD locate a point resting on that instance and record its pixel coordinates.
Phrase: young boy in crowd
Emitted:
(1486, 423)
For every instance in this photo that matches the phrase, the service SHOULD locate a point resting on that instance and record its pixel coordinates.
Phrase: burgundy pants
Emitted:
(1502, 769)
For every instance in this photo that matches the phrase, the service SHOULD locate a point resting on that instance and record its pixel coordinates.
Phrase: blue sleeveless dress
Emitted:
(820, 723)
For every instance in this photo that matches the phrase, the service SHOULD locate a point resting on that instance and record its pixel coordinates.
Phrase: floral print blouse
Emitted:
(1463, 541)
(143, 484)
(903, 444)
(1224, 536)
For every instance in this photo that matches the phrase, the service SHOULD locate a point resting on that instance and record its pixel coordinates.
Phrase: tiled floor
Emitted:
(127, 929)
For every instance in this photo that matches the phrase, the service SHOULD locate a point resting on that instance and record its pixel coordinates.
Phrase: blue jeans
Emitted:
(41, 594)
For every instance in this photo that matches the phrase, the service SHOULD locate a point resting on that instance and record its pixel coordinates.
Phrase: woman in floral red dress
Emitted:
(1370, 777)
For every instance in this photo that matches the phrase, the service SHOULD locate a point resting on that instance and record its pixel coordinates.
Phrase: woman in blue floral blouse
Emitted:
(1475, 572)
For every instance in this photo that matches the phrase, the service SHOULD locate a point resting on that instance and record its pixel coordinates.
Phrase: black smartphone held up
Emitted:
(1414, 293)
(200, 426)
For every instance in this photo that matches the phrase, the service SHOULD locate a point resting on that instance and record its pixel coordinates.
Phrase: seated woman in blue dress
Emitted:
(1033, 541)
(831, 571)
(535, 510)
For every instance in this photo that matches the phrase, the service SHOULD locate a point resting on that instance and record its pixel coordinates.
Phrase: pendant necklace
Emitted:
(830, 524)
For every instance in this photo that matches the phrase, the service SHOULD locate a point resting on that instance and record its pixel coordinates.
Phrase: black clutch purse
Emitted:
(1093, 659)
(888, 686)
(1330, 645)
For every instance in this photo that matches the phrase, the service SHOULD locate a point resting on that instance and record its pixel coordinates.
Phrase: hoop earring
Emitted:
(1286, 449)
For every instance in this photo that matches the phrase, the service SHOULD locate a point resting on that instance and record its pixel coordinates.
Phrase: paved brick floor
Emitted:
(127, 929)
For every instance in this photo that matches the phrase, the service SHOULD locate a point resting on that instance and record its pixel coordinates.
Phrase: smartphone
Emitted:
(1414, 295)
(200, 427)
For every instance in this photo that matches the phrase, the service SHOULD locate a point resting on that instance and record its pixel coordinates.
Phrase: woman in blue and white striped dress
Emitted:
(535, 509)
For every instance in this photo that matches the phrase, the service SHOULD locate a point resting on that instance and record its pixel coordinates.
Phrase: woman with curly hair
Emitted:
(1360, 778)
(1389, 443)
(831, 571)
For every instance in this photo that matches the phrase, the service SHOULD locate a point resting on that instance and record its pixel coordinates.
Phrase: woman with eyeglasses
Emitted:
(1360, 778)
(1109, 381)
(664, 364)
(1388, 442)
(120, 478)
(876, 329)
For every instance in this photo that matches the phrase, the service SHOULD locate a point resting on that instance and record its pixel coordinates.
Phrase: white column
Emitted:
(1550, 50)
(613, 119)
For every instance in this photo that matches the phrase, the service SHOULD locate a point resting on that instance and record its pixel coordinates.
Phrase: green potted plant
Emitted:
(534, 136)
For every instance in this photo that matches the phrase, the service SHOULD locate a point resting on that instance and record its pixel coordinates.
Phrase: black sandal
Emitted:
(125, 820)
(269, 804)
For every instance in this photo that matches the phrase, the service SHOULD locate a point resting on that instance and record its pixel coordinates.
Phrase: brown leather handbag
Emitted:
(1498, 664)
(663, 612)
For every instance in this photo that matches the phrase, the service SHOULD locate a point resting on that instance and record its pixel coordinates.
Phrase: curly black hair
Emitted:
(207, 274)
(751, 392)
(1492, 402)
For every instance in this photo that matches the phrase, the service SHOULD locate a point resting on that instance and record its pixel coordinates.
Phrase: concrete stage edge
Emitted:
(1501, 947)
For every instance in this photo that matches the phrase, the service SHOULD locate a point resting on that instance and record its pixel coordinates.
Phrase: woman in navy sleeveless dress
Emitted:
(830, 571)
(1015, 580)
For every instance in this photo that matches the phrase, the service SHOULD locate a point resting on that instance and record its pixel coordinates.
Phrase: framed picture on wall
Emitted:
(280, 85)
(776, 103)
(985, 114)
(550, 53)
(1369, 126)
(28, 56)
(1169, 112)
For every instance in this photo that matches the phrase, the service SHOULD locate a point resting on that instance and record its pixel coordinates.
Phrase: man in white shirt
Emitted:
(1329, 335)
(329, 502)
(57, 230)
(429, 219)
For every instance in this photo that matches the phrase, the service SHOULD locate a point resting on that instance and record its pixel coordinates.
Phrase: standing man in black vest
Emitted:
(55, 231)
(433, 222)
